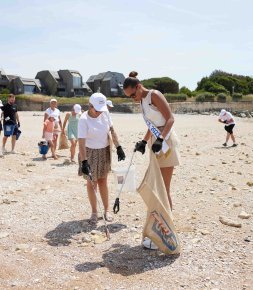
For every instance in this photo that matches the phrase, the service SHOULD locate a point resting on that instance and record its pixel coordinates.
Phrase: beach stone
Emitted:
(237, 204)
(205, 232)
(249, 183)
(229, 222)
(22, 247)
(3, 235)
(244, 215)
(6, 201)
(99, 239)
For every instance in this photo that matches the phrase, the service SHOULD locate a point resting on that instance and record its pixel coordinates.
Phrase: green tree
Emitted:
(186, 91)
(164, 85)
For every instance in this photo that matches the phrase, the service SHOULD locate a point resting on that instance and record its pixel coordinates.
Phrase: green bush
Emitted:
(175, 97)
(3, 98)
(185, 90)
(237, 97)
(5, 91)
(221, 98)
(205, 97)
(164, 85)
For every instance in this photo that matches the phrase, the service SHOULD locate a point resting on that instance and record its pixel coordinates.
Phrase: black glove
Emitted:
(140, 146)
(86, 167)
(157, 145)
(18, 124)
(120, 153)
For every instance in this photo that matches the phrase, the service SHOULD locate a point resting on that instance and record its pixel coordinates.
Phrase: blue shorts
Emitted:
(14, 132)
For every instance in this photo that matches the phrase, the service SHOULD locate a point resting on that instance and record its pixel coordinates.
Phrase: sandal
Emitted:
(93, 219)
(107, 216)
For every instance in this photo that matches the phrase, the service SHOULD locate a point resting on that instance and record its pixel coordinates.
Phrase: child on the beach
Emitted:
(48, 131)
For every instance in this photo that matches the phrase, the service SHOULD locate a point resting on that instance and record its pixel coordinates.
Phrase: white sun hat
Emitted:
(98, 101)
(109, 103)
(77, 108)
(222, 112)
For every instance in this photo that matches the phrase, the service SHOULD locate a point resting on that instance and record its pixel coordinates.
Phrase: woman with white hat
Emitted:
(94, 148)
(54, 111)
(228, 119)
(72, 118)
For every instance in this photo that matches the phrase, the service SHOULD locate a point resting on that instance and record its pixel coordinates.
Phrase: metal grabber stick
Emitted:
(116, 203)
(100, 208)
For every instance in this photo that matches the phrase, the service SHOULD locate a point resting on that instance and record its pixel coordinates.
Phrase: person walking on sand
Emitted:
(228, 119)
(94, 148)
(48, 132)
(10, 118)
(156, 111)
(54, 111)
(72, 118)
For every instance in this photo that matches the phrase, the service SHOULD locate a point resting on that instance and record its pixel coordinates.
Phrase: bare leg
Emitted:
(233, 137)
(13, 142)
(92, 196)
(103, 188)
(55, 141)
(227, 138)
(4, 141)
(73, 149)
(167, 175)
(52, 149)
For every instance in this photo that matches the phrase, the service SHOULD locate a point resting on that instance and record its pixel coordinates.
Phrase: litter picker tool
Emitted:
(116, 203)
(100, 208)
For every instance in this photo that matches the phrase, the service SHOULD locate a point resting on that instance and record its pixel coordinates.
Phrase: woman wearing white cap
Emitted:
(53, 111)
(93, 135)
(228, 119)
(72, 118)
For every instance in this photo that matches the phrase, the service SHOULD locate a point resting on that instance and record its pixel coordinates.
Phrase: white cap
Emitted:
(222, 112)
(109, 103)
(98, 101)
(1, 104)
(53, 100)
(77, 108)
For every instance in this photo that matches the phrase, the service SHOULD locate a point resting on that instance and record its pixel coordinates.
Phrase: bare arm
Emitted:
(114, 137)
(82, 149)
(17, 116)
(162, 105)
(147, 136)
(46, 116)
(60, 122)
(65, 121)
(44, 130)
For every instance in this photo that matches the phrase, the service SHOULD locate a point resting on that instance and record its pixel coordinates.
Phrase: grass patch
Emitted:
(62, 100)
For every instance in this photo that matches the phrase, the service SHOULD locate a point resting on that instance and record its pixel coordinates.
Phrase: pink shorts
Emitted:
(48, 136)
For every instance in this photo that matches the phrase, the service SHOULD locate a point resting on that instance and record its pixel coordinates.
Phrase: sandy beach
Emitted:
(46, 242)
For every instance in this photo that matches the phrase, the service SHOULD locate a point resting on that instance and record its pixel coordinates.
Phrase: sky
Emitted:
(181, 39)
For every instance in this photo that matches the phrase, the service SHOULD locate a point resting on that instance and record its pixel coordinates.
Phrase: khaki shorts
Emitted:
(172, 157)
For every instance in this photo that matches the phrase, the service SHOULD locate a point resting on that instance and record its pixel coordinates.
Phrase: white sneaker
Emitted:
(147, 243)
(13, 152)
(3, 150)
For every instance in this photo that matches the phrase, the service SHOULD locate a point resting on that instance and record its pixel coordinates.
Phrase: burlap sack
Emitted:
(63, 142)
(159, 225)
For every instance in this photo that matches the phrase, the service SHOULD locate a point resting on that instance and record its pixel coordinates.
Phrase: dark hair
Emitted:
(11, 96)
(131, 81)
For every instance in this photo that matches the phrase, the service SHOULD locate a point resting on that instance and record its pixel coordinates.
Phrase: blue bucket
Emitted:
(9, 129)
(43, 149)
